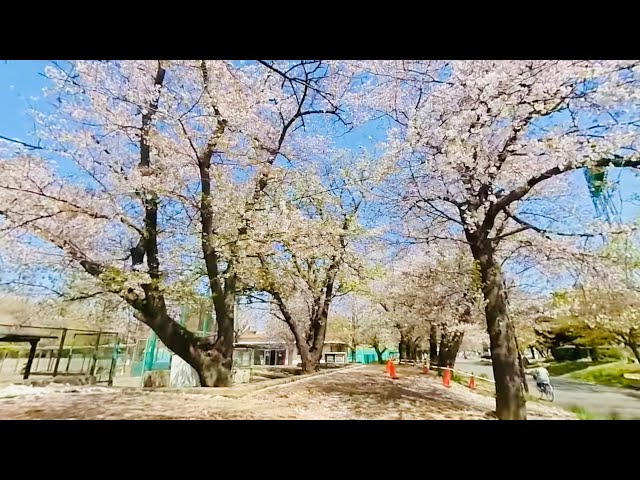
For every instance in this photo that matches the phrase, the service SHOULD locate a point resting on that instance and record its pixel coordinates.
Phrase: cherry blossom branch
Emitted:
(76, 208)
(149, 239)
(24, 144)
(521, 191)
(526, 226)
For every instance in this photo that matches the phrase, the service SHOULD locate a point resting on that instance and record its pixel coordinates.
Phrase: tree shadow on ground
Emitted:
(412, 394)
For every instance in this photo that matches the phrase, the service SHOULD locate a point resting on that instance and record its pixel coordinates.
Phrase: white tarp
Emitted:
(182, 374)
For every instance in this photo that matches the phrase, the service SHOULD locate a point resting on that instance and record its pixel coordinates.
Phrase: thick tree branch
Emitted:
(526, 226)
(24, 144)
(521, 191)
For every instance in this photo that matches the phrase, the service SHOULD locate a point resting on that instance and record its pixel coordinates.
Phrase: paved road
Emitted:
(598, 399)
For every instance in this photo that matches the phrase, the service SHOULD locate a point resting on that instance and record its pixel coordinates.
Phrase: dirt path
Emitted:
(359, 393)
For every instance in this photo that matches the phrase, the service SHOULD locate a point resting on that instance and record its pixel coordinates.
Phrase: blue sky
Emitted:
(19, 82)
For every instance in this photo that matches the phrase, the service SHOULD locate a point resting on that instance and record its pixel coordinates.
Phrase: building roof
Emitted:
(13, 337)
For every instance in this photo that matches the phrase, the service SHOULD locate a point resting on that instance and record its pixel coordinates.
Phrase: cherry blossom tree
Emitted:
(358, 321)
(147, 174)
(432, 293)
(606, 300)
(315, 242)
(347, 327)
(479, 144)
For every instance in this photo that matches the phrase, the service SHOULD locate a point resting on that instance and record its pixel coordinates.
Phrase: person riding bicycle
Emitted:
(541, 376)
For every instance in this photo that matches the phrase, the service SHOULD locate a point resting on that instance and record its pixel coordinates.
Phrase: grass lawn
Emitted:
(487, 389)
(584, 414)
(557, 369)
(608, 374)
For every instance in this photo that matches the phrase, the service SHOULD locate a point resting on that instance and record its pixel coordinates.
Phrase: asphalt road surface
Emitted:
(599, 399)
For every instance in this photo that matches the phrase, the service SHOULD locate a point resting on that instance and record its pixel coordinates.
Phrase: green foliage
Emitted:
(609, 374)
(611, 354)
(10, 351)
(570, 338)
(584, 414)
(476, 277)
(560, 298)
(568, 353)
(113, 279)
(563, 368)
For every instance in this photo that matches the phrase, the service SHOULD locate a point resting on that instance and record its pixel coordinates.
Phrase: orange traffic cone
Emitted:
(392, 371)
(388, 368)
(425, 369)
(446, 378)
(472, 382)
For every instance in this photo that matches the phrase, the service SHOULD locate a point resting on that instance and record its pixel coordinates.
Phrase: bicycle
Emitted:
(546, 390)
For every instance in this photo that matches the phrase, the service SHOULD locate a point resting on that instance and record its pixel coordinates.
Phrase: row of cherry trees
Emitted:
(159, 177)
(426, 300)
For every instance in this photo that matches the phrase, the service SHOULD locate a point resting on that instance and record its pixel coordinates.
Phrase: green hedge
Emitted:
(569, 354)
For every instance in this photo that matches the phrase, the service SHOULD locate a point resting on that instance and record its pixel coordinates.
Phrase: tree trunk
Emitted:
(433, 344)
(510, 399)
(211, 360)
(442, 361)
(379, 353)
(201, 353)
(523, 375)
(220, 359)
(413, 354)
(449, 347)
(311, 349)
(634, 348)
(533, 353)
(408, 345)
(310, 359)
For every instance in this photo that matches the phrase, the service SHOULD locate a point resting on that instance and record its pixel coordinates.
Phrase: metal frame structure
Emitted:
(601, 193)
(34, 334)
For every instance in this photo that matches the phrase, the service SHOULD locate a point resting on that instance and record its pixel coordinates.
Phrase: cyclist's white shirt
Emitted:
(541, 375)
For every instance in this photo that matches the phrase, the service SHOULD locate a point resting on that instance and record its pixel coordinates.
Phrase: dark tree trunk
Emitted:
(222, 283)
(310, 361)
(449, 347)
(510, 399)
(634, 348)
(220, 358)
(201, 353)
(379, 353)
(211, 360)
(523, 375)
(433, 344)
(533, 353)
(310, 346)
(442, 362)
(409, 345)
(413, 354)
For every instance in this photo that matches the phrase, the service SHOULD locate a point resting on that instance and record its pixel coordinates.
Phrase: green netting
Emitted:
(368, 355)
(196, 317)
(600, 192)
(596, 180)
